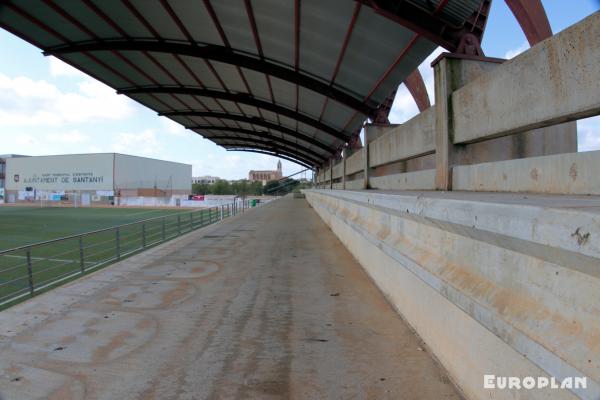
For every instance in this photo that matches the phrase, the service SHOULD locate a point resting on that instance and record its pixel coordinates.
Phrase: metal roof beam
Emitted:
(224, 55)
(272, 148)
(255, 121)
(243, 98)
(429, 25)
(270, 153)
(261, 135)
(251, 141)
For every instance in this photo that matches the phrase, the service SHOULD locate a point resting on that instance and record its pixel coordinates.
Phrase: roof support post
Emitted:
(322, 175)
(331, 173)
(344, 157)
(444, 150)
(365, 151)
(451, 72)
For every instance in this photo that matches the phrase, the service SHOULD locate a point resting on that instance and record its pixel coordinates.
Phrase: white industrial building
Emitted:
(103, 178)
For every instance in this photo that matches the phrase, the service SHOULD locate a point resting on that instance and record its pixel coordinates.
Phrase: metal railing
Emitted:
(28, 270)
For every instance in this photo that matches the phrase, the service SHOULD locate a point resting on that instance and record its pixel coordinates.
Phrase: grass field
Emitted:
(40, 266)
(20, 226)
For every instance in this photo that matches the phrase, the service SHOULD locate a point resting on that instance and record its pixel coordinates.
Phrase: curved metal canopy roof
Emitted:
(294, 78)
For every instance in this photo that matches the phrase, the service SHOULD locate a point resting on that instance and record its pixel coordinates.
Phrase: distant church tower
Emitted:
(265, 176)
(279, 172)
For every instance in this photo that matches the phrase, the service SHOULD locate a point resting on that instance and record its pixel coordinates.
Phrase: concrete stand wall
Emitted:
(493, 283)
(489, 111)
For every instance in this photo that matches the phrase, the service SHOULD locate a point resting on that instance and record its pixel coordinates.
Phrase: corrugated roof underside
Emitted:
(338, 44)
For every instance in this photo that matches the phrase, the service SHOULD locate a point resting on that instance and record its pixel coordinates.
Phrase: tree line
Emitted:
(244, 187)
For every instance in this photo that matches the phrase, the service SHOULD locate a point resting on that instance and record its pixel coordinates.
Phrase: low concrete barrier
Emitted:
(500, 284)
(355, 163)
(553, 82)
(416, 180)
(571, 173)
(414, 138)
(337, 171)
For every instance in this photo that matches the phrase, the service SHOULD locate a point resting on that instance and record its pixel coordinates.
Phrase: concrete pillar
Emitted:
(344, 157)
(365, 150)
(443, 144)
(451, 73)
(331, 173)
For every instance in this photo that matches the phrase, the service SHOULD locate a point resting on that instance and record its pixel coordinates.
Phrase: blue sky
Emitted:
(47, 107)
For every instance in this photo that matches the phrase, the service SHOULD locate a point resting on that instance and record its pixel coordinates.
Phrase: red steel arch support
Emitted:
(533, 19)
(416, 86)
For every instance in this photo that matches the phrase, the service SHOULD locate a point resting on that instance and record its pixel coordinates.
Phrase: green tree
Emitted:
(256, 188)
(221, 187)
(241, 187)
(270, 187)
(280, 187)
(200, 188)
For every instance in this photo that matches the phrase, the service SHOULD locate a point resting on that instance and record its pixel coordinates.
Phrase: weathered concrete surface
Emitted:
(573, 173)
(268, 304)
(416, 180)
(354, 162)
(354, 184)
(416, 137)
(499, 284)
(337, 170)
(555, 81)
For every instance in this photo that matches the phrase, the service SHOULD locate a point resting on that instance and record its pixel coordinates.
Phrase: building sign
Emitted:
(60, 173)
(74, 178)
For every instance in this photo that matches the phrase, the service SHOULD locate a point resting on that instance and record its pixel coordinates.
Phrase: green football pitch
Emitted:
(20, 226)
(37, 267)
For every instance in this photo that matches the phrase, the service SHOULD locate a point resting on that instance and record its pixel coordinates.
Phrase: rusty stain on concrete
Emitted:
(573, 172)
(534, 174)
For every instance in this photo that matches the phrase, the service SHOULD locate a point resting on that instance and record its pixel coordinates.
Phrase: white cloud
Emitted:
(71, 137)
(144, 143)
(28, 102)
(61, 68)
(515, 52)
(172, 127)
(26, 140)
(50, 141)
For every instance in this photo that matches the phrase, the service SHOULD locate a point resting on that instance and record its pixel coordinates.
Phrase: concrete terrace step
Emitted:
(503, 284)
